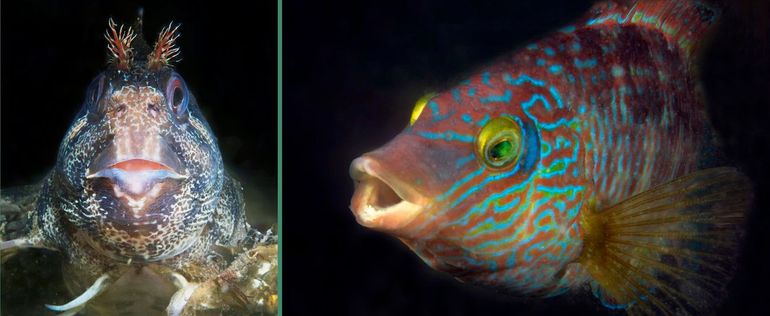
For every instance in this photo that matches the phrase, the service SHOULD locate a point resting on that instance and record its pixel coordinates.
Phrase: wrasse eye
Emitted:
(499, 143)
(501, 150)
(419, 106)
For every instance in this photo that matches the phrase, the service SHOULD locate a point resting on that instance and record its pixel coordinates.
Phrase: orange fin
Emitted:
(671, 249)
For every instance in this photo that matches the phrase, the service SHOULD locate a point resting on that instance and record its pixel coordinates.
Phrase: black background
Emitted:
(352, 71)
(52, 49)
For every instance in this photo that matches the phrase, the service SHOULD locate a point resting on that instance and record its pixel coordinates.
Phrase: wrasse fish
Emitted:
(139, 204)
(581, 160)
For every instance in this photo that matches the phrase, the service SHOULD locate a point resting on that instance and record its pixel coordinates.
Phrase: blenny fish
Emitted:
(138, 203)
(585, 160)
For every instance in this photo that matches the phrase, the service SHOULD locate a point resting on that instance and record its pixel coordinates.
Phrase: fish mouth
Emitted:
(381, 201)
(136, 175)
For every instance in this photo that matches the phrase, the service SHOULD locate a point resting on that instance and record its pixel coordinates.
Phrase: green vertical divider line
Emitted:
(280, 156)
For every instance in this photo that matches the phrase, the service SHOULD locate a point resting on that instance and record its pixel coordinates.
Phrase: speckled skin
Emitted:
(139, 232)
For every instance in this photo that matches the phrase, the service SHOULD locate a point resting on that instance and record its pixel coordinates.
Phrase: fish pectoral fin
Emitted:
(9, 248)
(80, 302)
(181, 297)
(671, 249)
(22, 243)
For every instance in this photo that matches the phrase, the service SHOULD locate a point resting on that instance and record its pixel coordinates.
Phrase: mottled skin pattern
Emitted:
(608, 107)
(139, 193)
(126, 123)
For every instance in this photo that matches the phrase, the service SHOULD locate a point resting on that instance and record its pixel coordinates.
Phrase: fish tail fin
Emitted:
(684, 23)
(671, 249)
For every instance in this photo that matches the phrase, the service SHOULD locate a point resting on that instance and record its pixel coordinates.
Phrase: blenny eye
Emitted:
(177, 95)
(499, 142)
(94, 94)
(419, 106)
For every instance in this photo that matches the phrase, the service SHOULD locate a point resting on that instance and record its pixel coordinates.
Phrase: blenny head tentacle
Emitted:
(119, 41)
(165, 50)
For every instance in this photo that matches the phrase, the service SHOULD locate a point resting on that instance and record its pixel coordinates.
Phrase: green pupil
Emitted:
(501, 150)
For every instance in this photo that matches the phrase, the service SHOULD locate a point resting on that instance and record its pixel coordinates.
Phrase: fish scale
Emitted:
(608, 109)
(557, 117)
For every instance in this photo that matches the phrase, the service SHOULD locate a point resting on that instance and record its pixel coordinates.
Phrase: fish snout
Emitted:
(381, 200)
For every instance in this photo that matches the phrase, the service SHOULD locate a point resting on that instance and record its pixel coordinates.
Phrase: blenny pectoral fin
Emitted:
(182, 296)
(671, 249)
(80, 302)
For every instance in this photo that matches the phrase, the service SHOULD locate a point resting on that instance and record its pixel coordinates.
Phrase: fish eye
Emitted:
(419, 106)
(177, 95)
(94, 93)
(499, 142)
(500, 150)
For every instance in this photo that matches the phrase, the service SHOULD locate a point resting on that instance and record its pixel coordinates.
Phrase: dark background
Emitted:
(352, 71)
(52, 49)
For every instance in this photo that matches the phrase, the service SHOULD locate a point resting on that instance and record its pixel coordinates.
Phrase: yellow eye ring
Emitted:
(419, 106)
(499, 143)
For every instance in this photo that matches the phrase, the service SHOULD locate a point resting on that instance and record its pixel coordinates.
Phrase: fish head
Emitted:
(140, 168)
(476, 188)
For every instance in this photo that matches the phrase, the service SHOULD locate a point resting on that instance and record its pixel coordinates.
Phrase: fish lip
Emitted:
(136, 176)
(163, 159)
(108, 167)
(369, 177)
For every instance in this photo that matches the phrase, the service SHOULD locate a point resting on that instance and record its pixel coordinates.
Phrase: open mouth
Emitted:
(380, 201)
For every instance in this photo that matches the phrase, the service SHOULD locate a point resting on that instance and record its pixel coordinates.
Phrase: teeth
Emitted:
(381, 202)
(372, 212)
(369, 213)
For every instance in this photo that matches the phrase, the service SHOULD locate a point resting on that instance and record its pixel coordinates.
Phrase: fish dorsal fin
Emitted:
(684, 23)
(671, 249)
